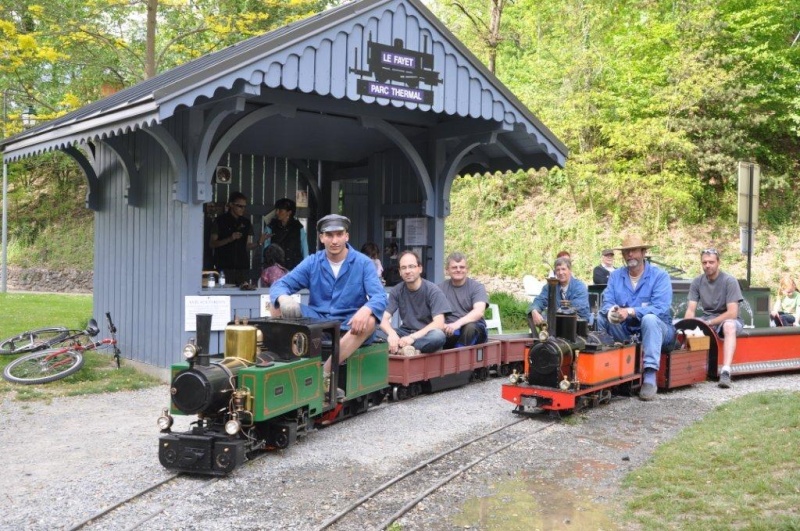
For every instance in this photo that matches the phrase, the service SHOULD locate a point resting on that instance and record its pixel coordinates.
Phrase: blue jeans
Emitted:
(468, 335)
(655, 336)
(430, 342)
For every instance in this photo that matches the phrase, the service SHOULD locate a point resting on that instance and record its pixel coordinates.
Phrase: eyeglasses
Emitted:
(239, 205)
(408, 268)
(710, 251)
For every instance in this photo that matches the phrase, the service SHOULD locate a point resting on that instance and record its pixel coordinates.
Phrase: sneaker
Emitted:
(647, 392)
(725, 379)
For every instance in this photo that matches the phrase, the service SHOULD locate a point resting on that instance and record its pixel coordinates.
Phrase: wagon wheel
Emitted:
(399, 392)
(483, 374)
(415, 389)
(505, 369)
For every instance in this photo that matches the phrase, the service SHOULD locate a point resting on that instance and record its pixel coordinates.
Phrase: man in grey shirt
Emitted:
(422, 307)
(465, 324)
(719, 295)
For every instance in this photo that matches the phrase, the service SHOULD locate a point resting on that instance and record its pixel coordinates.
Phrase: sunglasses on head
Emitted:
(710, 251)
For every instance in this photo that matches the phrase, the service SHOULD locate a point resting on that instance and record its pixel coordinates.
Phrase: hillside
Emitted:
(511, 232)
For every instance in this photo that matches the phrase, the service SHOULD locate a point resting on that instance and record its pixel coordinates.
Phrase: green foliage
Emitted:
(49, 225)
(658, 101)
(512, 311)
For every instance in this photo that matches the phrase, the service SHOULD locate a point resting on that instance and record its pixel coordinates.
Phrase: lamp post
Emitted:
(28, 120)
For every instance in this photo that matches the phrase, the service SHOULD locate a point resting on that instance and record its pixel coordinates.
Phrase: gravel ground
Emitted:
(75, 456)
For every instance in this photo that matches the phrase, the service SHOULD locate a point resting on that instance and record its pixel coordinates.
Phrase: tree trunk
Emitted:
(150, 50)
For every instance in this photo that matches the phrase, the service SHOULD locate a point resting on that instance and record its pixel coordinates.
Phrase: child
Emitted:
(786, 311)
(272, 268)
(371, 250)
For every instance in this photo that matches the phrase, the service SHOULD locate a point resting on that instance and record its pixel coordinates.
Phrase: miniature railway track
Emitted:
(396, 497)
(120, 506)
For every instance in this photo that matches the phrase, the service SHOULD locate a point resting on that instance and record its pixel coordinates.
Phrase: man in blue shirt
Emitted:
(638, 301)
(569, 289)
(342, 285)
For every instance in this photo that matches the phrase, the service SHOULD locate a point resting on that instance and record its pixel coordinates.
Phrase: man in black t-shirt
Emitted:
(232, 240)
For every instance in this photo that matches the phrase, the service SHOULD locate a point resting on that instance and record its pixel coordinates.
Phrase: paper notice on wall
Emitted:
(218, 306)
(416, 231)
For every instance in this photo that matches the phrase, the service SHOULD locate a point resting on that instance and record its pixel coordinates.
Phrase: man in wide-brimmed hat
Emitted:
(638, 301)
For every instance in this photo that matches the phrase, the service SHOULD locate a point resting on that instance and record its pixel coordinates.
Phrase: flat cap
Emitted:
(333, 222)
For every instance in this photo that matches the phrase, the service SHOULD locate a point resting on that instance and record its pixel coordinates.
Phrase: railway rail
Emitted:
(390, 501)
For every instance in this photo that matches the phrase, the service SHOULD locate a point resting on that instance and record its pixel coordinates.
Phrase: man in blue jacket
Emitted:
(638, 300)
(569, 289)
(342, 285)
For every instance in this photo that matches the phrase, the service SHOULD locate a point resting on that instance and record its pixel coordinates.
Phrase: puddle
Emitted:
(531, 505)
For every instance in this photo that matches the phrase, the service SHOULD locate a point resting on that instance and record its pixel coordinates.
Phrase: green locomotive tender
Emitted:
(265, 391)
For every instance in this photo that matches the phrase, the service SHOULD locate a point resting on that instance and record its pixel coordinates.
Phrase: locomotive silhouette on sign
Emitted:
(391, 64)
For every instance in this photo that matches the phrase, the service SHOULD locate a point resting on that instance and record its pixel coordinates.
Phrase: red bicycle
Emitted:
(65, 358)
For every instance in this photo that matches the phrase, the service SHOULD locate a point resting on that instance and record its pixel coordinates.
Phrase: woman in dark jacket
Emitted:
(286, 231)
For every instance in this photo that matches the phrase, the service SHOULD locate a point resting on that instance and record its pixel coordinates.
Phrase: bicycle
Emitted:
(33, 340)
(66, 358)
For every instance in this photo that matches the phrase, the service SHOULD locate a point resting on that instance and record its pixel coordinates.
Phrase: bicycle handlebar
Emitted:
(111, 327)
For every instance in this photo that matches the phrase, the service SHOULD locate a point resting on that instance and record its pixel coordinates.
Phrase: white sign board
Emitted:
(416, 231)
(218, 306)
(265, 304)
(745, 191)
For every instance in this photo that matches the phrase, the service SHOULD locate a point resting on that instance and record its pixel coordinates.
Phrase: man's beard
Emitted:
(633, 262)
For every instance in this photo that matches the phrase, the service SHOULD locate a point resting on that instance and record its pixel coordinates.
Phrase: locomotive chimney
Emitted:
(203, 337)
(552, 287)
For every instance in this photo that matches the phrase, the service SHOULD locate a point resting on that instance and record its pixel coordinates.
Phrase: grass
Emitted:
(19, 312)
(737, 469)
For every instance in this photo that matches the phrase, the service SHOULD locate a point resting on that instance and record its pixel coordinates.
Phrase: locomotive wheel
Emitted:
(280, 440)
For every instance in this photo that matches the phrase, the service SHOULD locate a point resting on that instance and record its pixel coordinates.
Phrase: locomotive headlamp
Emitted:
(190, 351)
(233, 426)
(165, 420)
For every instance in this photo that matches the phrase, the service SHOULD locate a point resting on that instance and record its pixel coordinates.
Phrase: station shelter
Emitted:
(370, 109)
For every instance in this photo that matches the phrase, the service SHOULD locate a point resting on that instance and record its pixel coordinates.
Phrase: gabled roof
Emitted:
(318, 55)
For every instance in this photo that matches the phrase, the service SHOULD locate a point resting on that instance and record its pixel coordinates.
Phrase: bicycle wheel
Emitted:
(32, 340)
(44, 366)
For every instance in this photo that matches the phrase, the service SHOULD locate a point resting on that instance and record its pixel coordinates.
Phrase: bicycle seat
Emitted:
(92, 328)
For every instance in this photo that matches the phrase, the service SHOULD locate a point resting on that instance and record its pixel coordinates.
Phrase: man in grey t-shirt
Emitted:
(465, 324)
(719, 295)
(422, 307)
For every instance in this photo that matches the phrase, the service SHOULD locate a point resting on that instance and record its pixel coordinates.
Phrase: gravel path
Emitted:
(69, 459)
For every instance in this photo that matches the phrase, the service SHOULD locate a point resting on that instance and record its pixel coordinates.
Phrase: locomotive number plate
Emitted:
(530, 401)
